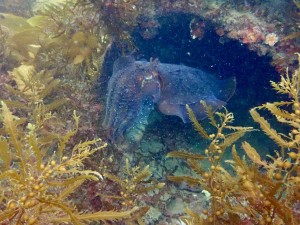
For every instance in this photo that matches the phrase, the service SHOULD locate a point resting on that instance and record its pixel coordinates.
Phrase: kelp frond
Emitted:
(186, 155)
(197, 125)
(265, 126)
(184, 179)
(102, 216)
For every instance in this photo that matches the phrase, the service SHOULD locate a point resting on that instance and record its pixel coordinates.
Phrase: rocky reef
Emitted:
(266, 27)
(56, 60)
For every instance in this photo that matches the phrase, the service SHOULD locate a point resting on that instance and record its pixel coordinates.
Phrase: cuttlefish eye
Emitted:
(148, 76)
(151, 75)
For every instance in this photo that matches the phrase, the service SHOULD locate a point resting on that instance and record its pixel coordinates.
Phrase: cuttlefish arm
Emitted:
(132, 91)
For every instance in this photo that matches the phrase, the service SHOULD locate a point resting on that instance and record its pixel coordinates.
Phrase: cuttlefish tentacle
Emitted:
(111, 101)
(120, 93)
(126, 115)
(133, 116)
(120, 112)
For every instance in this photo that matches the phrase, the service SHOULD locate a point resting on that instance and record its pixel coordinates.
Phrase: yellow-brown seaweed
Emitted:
(35, 186)
(259, 191)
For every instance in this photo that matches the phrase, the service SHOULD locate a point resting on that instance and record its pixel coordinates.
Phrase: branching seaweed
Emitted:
(260, 192)
(31, 89)
(70, 31)
(35, 187)
(135, 184)
(30, 93)
(52, 57)
(216, 179)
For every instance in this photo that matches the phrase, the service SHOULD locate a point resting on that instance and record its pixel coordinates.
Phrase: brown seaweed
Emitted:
(259, 191)
(36, 187)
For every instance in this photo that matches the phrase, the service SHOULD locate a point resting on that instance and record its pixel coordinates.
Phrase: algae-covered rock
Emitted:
(153, 215)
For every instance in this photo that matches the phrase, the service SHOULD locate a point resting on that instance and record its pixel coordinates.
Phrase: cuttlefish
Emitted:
(138, 87)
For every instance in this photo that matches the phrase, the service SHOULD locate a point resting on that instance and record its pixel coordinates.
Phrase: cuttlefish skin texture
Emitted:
(137, 87)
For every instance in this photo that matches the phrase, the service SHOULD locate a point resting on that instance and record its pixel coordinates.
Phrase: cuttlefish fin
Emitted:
(180, 110)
